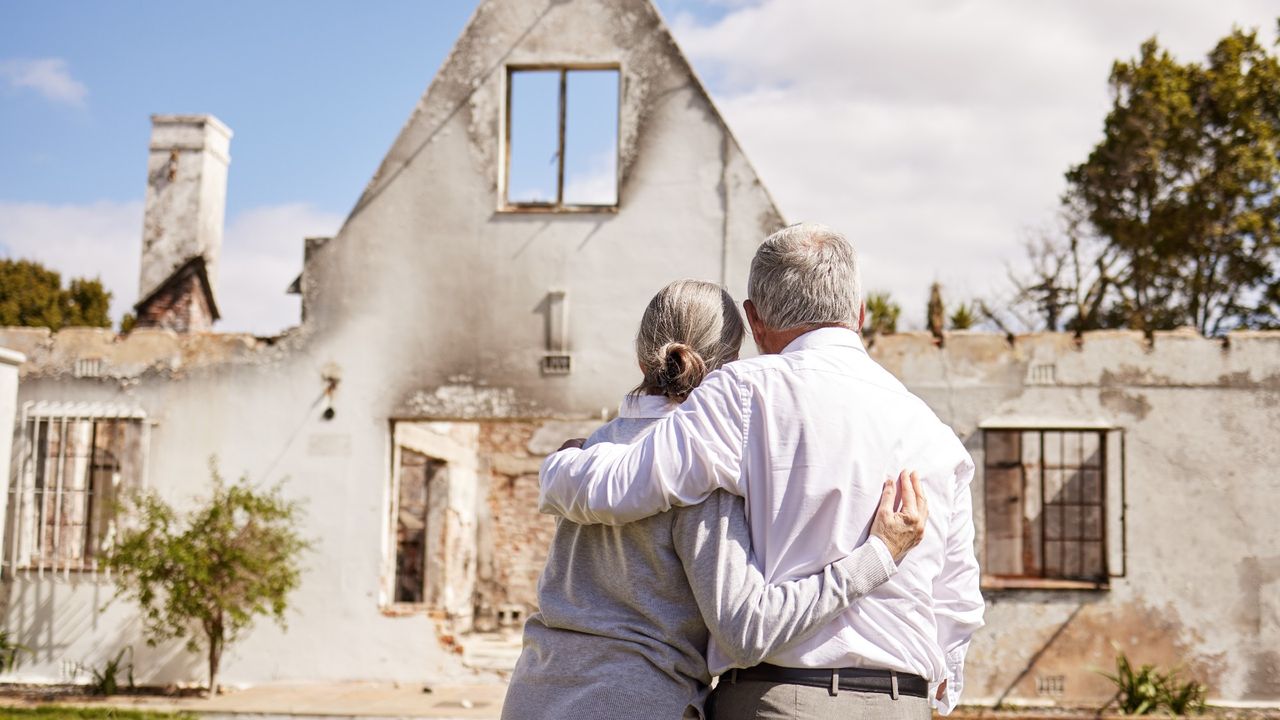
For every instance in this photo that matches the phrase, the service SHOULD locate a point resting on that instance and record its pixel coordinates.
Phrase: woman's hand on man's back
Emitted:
(900, 519)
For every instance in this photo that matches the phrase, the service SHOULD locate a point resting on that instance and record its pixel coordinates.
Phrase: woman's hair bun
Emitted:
(681, 369)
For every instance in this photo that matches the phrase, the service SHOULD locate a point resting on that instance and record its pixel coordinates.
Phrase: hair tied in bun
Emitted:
(682, 370)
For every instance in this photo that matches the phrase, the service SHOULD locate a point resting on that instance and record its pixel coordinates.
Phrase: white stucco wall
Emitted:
(10, 361)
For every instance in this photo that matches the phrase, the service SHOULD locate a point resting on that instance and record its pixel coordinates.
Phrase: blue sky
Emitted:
(314, 91)
(934, 133)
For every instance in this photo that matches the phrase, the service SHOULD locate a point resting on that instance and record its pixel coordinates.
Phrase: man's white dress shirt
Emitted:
(808, 437)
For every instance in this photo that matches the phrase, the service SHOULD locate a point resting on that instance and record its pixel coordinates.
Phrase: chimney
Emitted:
(182, 225)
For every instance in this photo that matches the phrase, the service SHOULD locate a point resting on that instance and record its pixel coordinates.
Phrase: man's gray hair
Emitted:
(806, 275)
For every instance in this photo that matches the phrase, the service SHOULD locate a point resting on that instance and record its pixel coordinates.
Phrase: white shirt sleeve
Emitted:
(750, 619)
(957, 599)
(687, 456)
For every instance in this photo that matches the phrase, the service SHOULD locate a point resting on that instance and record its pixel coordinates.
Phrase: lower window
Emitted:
(72, 475)
(1046, 505)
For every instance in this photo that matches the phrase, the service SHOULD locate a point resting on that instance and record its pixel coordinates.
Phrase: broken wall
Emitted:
(1199, 585)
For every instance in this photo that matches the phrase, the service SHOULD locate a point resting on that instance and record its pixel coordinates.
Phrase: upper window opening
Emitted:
(562, 139)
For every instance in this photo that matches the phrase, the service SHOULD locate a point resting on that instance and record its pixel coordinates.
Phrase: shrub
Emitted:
(106, 680)
(205, 578)
(10, 652)
(1145, 690)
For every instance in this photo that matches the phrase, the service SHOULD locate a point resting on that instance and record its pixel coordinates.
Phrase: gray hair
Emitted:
(806, 275)
(690, 328)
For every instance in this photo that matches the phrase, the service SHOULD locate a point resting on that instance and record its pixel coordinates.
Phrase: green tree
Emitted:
(882, 314)
(207, 576)
(32, 295)
(1183, 191)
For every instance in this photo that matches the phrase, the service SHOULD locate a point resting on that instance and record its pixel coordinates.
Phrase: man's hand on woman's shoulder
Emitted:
(900, 519)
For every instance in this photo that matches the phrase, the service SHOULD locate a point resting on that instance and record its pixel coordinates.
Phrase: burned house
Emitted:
(478, 306)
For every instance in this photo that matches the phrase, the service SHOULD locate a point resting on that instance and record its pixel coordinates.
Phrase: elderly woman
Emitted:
(629, 615)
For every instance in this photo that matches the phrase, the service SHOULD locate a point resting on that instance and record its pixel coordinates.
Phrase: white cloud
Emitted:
(50, 77)
(594, 182)
(99, 240)
(933, 132)
(261, 254)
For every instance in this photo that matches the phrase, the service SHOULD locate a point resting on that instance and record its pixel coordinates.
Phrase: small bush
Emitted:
(10, 652)
(1146, 690)
(106, 681)
(207, 575)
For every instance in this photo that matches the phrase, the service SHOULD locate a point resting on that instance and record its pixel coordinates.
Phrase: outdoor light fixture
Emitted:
(331, 375)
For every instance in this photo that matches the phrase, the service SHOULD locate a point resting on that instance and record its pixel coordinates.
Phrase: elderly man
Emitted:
(807, 433)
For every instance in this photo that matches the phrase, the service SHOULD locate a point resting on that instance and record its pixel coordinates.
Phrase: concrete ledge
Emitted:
(348, 700)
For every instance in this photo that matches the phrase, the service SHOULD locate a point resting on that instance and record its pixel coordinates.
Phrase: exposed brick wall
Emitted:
(180, 306)
(519, 534)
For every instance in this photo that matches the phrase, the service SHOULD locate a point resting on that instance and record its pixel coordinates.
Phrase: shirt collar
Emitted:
(650, 407)
(826, 337)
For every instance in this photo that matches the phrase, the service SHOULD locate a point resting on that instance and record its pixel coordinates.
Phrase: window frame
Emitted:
(435, 579)
(1106, 464)
(24, 480)
(558, 206)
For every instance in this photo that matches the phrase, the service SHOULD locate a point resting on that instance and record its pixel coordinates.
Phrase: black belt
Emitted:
(851, 679)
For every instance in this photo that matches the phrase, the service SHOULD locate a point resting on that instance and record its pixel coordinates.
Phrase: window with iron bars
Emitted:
(74, 469)
(1047, 513)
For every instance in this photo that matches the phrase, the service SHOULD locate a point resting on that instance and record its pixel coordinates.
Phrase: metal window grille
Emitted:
(74, 462)
(1046, 503)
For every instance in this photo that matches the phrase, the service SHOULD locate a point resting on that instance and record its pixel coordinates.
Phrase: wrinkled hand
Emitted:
(903, 528)
(573, 443)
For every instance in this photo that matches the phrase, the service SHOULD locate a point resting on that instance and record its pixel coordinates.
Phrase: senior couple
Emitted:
(797, 523)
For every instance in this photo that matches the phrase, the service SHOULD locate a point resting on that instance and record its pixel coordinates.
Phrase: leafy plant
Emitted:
(963, 317)
(207, 576)
(1137, 689)
(106, 681)
(1182, 698)
(883, 312)
(10, 652)
(1145, 690)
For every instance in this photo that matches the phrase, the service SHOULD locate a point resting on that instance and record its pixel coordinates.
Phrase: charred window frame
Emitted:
(567, 192)
(1053, 507)
(75, 464)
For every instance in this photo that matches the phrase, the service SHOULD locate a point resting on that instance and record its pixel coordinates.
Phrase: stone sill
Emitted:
(558, 209)
(991, 582)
